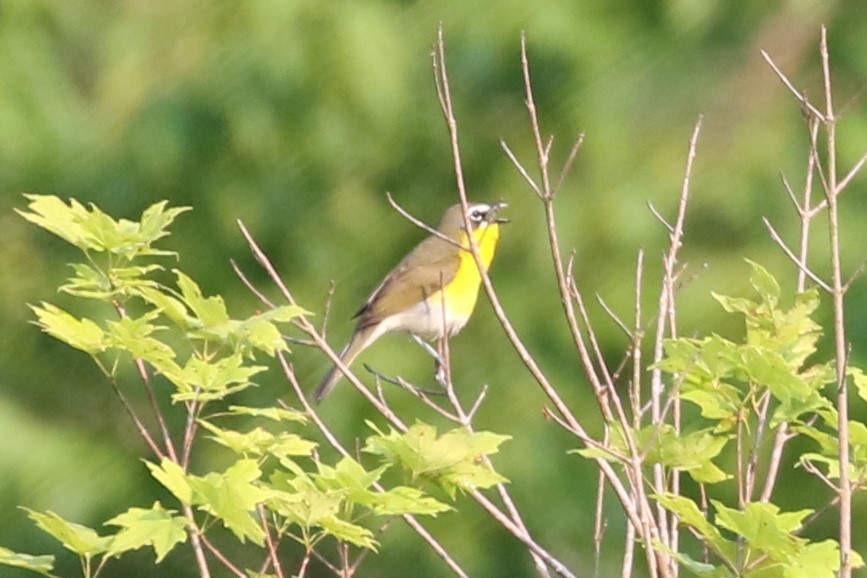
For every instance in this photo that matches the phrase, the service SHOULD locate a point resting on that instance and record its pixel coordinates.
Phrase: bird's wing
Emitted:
(427, 268)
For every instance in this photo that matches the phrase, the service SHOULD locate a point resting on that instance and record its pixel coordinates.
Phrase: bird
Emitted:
(438, 273)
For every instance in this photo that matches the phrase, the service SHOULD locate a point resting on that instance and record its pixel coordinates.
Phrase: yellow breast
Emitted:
(461, 294)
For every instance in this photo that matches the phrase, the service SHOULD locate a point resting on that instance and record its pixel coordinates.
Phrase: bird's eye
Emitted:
(476, 215)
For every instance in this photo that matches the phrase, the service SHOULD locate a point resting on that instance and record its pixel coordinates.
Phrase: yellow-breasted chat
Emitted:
(436, 275)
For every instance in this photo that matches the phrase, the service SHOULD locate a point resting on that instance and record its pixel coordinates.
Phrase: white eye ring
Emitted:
(476, 215)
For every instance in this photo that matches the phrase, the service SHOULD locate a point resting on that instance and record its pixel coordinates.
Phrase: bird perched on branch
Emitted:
(440, 273)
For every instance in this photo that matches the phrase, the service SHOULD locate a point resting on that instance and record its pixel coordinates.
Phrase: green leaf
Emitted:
(681, 356)
(209, 312)
(53, 215)
(40, 564)
(298, 498)
(769, 369)
(832, 465)
(208, 379)
(820, 560)
(301, 502)
(765, 284)
(272, 413)
(451, 460)
(232, 496)
(81, 334)
(155, 527)
(173, 477)
(92, 283)
(155, 221)
(80, 539)
(717, 401)
(256, 333)
(93, 230)
(405, 500)
(350, 480)
(169, 306)
(764, 527)
(258, 442)
(691, 515)
(89, 283)
(210, 321)
(689, 452)
(701, 569)
(134, 335)
(736, 304)
(349, 532)
(859, 379)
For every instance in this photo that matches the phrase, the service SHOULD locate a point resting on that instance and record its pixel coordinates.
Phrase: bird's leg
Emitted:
(437, 354)
(429, 349)
(441, 374)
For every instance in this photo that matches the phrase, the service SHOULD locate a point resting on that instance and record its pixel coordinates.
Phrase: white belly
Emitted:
(425, 320)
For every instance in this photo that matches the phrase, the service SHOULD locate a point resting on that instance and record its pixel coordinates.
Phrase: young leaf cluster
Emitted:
(275, 488)
(743, 390)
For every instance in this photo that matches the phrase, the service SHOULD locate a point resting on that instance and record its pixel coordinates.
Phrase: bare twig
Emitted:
(613, 316)
(797, 94)
(832, 194)
(567, 166)
(273, 556)
(665, 324)
(660, 218)
(844, 182)
(599, 521)
(794, 258)
(421, 224)
(637, 336)
(222, 558)
(523, 171)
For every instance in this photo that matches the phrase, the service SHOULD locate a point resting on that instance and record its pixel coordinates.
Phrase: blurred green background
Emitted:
(297, 116)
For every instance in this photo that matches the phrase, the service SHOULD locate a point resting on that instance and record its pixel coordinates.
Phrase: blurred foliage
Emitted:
(296, 116)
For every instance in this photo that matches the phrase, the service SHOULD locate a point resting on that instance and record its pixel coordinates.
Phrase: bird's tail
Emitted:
(359, 342)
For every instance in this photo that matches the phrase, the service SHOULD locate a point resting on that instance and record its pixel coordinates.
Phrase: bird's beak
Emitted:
(492, 217)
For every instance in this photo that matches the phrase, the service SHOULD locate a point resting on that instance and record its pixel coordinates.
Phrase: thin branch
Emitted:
(801, 211)
(855, 276)
(599, 522)
(801, 98)
(637, 337)
(418, 392)
(611, 314)
(523, 172)
(844, 182)
(794, 258)
(567, 166)
(832, 194)
(421, 224)
(269, 539)
(780, 439)
(660, 218)
(513, 528)
(665, 318)
(222, 558)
